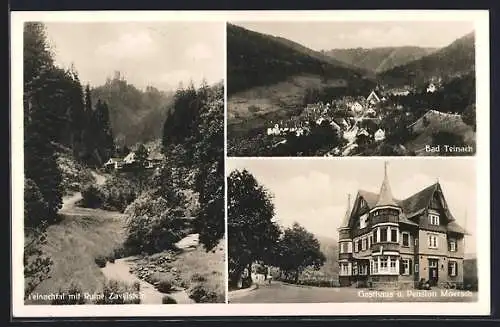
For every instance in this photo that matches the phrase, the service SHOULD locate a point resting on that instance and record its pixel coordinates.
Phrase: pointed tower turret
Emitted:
(385, 198)
(345, 221)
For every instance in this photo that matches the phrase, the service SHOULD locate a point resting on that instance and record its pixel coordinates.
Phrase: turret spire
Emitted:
(345, 221)
(385, 196)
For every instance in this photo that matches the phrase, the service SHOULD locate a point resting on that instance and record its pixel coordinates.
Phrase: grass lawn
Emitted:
(204, 268)
(73, 244)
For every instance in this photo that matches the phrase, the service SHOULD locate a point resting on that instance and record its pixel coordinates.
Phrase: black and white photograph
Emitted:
(123, 163)
(319, 231)
(351, 88)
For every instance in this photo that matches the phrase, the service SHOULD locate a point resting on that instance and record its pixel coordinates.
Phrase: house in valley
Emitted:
(113, 164)
(356, 107)
(390, 243)
(379, 135)
(400, 92)
(129, 159)
(431, 88)
(153, 160)
(373, 98)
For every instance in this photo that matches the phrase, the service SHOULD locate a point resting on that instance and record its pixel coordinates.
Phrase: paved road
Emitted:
(279, 292)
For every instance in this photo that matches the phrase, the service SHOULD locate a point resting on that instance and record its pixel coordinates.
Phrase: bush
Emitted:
(201, 295)
(168, 300)
(119, 253)
(100, 261)
(71, 296)
(92, 197)
(118, 193)
(165, 285)
(196, 277)
(153, 225)
(115, 292)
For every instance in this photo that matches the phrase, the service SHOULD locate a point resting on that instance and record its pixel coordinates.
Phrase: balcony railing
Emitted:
(387, 246)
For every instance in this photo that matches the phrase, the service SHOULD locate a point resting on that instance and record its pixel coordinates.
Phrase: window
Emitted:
(375, 235)
(345, 247)
(433, 242)
(433, 219)
(345, 269)
(416, 268)
(383, 263)
(452, 245)
(394, 235)
(433, 263)
(374, 266)
(354, 269)
(406, 239)
(363, 221)
(452, 268)
(370, 241)
(363, 244)
(363, 270)
(392, 264)
(383, 234)
(406, 267)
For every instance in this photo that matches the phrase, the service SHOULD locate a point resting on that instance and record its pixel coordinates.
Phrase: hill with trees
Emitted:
(378, 59)
(136, 115)
(456, 59)
(255, 59)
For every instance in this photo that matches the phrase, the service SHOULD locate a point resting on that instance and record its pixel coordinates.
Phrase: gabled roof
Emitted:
(413, 205)
(454, 227)
(419, 201)
(373, 93)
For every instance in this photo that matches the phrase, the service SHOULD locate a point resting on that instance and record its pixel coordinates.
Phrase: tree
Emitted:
(209, 179)
(297, 250)
(40, 160)
(251, 229)
(36, 264)
(469, 116)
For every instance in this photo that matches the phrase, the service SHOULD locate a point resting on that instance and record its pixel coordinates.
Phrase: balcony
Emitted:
(387, 246)
(344, 256)
(374, 220)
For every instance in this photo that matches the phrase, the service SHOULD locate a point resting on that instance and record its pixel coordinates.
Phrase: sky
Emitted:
(339, 35)
(147, 54)
(313, 192)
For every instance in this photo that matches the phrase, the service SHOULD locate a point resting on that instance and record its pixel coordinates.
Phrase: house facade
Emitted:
(389, 243)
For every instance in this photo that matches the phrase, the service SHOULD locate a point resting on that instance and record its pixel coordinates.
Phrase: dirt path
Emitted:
(120, 270)
(69, 202)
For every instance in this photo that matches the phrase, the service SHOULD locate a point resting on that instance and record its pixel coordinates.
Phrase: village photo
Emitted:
(124, 163)
(319, 231)
(351, 88)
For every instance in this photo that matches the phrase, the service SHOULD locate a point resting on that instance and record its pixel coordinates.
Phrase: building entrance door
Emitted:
(433, 272)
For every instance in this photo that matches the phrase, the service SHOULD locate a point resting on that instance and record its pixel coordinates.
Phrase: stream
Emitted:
(120, 271)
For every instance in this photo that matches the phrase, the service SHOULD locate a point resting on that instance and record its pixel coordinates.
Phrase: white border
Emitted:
(481, 307)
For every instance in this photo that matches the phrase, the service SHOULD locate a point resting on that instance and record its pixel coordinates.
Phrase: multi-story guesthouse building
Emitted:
(389, 243)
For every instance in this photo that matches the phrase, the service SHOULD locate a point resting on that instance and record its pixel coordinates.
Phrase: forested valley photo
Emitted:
(124, 181)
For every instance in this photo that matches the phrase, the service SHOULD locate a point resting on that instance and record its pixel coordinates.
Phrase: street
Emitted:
(279, 292)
